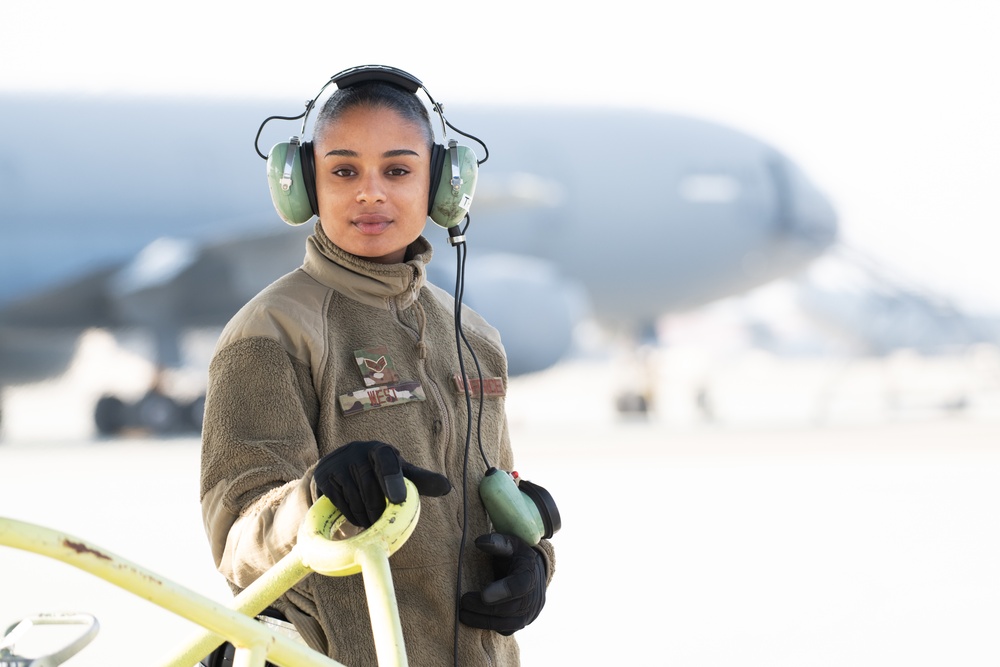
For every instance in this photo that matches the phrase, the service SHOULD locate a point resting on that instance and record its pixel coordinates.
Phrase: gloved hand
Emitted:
(518, 594)
(359, 476)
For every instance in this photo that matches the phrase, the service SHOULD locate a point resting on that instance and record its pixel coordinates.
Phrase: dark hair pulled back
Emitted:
(374, 95)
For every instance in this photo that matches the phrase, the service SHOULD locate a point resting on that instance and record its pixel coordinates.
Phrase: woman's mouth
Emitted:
(371, 223)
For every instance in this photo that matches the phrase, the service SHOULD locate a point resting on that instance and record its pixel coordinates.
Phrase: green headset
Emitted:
(291, 173)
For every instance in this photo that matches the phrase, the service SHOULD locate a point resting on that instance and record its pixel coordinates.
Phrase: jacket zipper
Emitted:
(435, 389)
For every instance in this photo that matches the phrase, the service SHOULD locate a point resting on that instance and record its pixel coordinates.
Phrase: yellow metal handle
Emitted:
(315, 551)
(339, 557)
(366, 552)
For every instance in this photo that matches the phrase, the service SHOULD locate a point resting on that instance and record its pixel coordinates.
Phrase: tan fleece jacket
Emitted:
(282, 393)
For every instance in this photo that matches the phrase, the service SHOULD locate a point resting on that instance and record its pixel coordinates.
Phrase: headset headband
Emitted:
(362, 73)
(353, 76)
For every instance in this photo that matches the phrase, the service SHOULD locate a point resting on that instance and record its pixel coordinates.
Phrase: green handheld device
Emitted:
(518, 507)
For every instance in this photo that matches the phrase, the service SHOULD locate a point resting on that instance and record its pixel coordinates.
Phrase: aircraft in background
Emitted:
(856, 321)
(850, 304)
(873, 310)
(125, 213)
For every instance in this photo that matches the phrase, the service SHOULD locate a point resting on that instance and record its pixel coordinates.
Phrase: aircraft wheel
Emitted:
(158, 413)
(632, 404)
(109, 415)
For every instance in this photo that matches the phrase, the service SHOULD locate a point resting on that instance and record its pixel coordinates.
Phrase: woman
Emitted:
(342, 375)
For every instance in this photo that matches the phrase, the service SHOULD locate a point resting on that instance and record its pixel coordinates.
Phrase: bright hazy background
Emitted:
(811, 525)
(890, 106)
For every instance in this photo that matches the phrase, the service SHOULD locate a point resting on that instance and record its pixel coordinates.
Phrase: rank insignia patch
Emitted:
(489, 387)
(376, 366)
(380, 397)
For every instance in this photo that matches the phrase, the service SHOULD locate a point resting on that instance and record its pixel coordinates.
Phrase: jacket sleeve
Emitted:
(258, 452)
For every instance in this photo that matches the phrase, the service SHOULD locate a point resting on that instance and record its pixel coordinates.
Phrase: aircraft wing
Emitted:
(170, 285)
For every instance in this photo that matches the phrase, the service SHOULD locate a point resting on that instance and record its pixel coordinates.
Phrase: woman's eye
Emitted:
(343, 172)
(398, 171)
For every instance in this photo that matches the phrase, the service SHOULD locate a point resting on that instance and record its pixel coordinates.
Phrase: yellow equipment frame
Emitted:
(367, 552)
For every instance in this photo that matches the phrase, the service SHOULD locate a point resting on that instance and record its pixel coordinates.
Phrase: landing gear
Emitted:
(632, 404)
(158, 412)
(110, 415)
(154, 413)
(638, 372)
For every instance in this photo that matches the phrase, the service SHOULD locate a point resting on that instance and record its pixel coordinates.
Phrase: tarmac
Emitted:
(860, 535)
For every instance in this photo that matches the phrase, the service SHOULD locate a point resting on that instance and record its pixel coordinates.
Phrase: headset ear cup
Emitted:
(309, 175)
(438, 153)
(448, 205)
(291, 202)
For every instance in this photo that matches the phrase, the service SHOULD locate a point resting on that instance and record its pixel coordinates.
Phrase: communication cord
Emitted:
(457, 239)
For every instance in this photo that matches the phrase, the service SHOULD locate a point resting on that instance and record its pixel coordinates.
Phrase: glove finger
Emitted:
(497, 544)
(387, 465)
(340, 488)
(338, 499)
(370, 495)
(347, 499)
(502, 624)
(428, 482)
(515, 586)
(474, 603)
(478, 615)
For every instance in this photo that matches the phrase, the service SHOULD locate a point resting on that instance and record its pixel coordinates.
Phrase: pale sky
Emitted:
(892, 107)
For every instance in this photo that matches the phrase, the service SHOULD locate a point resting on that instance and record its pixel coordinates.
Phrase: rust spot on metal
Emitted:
(139, 573)
(82, 548)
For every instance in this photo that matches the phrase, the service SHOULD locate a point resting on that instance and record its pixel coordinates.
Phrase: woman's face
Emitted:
(372, 183)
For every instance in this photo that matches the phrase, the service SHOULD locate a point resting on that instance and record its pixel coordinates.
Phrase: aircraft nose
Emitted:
(802, 211)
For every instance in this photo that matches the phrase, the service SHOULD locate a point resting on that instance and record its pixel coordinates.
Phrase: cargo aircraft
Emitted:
(153, 214)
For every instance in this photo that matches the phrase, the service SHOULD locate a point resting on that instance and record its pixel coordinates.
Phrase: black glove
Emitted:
(518, 594)
(359, 476)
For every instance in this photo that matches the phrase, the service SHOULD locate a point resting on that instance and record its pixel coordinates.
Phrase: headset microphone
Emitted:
(518, 507)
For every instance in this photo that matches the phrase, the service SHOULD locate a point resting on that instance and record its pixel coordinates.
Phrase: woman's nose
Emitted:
(371, 189)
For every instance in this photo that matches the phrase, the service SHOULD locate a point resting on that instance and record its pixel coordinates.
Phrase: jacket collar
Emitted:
(368, 282)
